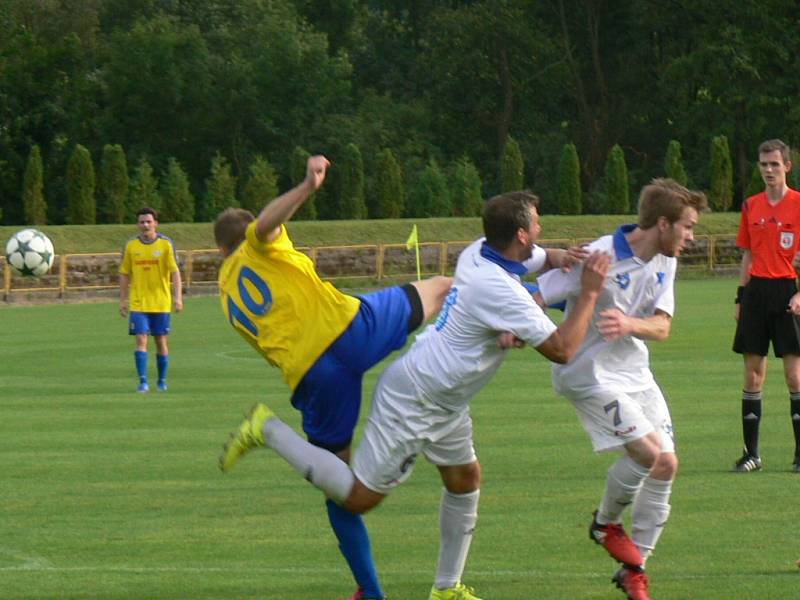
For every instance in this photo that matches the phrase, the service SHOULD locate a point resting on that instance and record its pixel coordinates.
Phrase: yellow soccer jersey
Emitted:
(274, 298)
(149, 265)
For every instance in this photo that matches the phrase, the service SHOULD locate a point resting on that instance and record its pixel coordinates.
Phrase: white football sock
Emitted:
(322, 468)
(650, 513)
(624, 480)
(458, 514)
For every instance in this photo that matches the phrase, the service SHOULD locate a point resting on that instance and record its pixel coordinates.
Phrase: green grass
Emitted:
(111, 495)
(83, 239)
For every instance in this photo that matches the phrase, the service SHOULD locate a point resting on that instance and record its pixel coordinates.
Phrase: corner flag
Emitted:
(413, 242)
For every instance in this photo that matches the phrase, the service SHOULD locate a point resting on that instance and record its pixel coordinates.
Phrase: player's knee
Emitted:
(462, 479)
(361, 499)
(665, 467)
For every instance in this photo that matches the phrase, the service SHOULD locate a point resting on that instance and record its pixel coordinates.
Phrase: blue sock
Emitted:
(141, 365)
(162, 362)
(354, 546)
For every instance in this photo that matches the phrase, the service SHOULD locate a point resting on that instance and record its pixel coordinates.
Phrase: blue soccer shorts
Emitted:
(329, 395)
(148, 323)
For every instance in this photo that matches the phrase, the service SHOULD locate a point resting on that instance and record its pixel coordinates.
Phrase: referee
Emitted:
(767, 297)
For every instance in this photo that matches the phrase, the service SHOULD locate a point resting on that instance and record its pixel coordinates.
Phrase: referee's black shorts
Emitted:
(764, 318)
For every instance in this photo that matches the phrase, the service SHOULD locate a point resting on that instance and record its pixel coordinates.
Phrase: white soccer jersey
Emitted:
(637, 289)
(452, 359)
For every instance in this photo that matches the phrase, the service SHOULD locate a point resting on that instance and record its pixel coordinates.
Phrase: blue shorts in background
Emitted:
(148, 323)
(329, 395)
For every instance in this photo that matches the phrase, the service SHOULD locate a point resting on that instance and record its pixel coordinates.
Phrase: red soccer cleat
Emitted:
(613, 538)
(633, 582)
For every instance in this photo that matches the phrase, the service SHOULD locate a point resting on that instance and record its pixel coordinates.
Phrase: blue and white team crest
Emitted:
(787, 240)
(623, 280)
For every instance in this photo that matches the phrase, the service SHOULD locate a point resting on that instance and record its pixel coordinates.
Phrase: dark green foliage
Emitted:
(430, 196)
(32, 194)
(512, 167)
(261, 186)
(389, 194)
(143, 190)
(673, 163)
(756, 183)
(220, 189)
(297, 173)
(178, 203)
(570, 200)
(112, 185)
(351, 184)
(466, 187)
(617, 188)
(720, 194)
(793, 177)
(81, 209)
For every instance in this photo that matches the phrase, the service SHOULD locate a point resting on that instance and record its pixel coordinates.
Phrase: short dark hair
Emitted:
(146, 210)
(776, 144)
(230, 227)
(505, 214)
(667, 198)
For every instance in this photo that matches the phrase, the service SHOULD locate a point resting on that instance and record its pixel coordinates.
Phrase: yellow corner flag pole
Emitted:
(413, 240)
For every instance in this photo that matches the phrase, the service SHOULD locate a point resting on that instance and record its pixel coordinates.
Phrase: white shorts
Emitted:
(401, 425)
(613, 418)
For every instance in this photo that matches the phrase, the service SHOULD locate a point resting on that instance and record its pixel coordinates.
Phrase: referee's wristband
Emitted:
(739, 292)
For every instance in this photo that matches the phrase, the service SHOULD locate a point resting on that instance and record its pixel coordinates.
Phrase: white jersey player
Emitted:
(609, 379)
(420, 405)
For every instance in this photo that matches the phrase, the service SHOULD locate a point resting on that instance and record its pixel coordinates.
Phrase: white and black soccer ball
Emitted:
(30, 252)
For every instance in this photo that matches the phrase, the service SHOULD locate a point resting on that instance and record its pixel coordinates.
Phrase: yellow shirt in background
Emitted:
(274, 298)
(149, 265)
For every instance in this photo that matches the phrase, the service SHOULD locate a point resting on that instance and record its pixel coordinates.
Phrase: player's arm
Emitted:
(177, 291)
(614, 324)
(281, 209)
(567, 338)
(558, 258)
(744, 278)
(124, 284)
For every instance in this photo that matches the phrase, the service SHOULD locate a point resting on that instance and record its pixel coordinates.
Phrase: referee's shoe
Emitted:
(748, 463)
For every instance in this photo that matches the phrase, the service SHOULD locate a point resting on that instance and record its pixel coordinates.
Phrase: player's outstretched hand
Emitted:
(613, 324)
(573, 256)
(316, 168)
(595, 270)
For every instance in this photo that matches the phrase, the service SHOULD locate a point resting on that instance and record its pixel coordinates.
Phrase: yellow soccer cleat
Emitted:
(247, 437)
(459, 592)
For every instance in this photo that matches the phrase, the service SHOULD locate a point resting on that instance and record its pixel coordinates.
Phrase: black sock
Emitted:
(794, 403)
(751, 417)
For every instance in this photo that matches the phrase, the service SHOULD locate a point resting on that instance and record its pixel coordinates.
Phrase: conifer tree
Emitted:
(113, 185)
(33, 186)
(512, 168)
(467, 197)
(261, 187)
(143, 190)
(721, 189)
(81, 207)
(430, 196)
(178, 203)
(220, 188)
(616, 180)
(389, 197)
(351, 184)
(569, 182)
(673, 163)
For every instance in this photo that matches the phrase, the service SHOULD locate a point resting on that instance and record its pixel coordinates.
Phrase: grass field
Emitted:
(111, 495)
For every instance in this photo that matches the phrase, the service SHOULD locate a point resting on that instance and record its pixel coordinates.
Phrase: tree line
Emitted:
(424, 106)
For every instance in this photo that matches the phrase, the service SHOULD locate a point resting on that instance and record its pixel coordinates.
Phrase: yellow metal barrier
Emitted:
(89, 272)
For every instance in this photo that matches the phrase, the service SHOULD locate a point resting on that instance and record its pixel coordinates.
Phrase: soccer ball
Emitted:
(30, 252)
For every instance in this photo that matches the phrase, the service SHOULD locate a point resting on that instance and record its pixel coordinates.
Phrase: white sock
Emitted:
(650, 513)
(624, 480)
(322, 468)
(458, 514)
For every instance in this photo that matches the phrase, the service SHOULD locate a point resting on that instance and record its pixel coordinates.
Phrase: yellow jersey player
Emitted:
(322, 340)
(148, 266)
